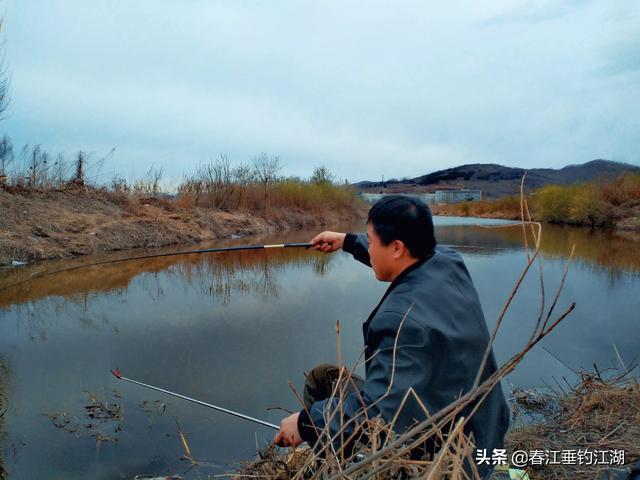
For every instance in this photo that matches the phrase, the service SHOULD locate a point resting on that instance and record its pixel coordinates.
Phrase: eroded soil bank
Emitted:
(38, 226)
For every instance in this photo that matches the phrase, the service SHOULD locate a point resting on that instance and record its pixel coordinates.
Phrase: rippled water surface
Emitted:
(233, 328)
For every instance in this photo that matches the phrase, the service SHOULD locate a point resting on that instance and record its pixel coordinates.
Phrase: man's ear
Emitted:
(398, 248)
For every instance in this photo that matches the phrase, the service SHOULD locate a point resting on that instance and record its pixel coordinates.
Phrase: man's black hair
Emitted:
(397, 217)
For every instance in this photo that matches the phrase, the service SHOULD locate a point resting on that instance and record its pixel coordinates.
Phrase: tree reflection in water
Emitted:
(612, 252)
(215, 276)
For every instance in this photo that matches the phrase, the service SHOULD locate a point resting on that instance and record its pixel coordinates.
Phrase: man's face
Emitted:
(381, 256)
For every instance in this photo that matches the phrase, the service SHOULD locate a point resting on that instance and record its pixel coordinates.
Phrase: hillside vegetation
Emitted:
(605, 204)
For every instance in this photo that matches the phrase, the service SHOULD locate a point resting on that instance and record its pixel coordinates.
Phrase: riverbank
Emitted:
(627, 220)
(57, 224)
(605, 205)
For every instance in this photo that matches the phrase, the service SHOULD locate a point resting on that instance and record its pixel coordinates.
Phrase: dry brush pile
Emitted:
(600, 413)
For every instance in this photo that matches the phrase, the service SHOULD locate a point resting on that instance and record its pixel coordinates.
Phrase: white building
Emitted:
(456, 196)
(425, 197)
(440, 196)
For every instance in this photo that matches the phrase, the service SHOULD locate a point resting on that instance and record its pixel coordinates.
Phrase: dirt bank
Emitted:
(37, 226)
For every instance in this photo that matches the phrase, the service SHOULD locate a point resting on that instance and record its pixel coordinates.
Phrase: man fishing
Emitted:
(427, 333)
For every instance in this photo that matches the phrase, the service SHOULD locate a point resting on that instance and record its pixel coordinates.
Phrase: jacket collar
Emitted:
(398, 280)
(407, 271)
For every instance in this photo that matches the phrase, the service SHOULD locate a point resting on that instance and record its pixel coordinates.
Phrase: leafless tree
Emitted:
(78, 178)
(322, 176)
(4, 82)
(34, 164)
(242, 177)
(119, 184)
(266, 170)
(6, 157)
(44, 177)
(218, 180)
(59, 171)
(147, 186)
(154, 175)
(19, 173)
(192, 186)
(100, 163)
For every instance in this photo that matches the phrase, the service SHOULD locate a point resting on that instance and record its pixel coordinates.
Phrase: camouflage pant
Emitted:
(321, 382)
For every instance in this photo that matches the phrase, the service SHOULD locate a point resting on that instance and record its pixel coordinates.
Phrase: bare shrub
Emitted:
(6, 157)
(149, 185)
(218, 182)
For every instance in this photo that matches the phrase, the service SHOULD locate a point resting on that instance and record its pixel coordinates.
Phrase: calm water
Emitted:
(233, 328)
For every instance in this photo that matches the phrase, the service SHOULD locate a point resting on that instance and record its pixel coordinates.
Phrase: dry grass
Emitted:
(597, 414)
(507, 208)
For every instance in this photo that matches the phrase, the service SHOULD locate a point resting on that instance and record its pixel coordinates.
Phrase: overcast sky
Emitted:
(366, 88)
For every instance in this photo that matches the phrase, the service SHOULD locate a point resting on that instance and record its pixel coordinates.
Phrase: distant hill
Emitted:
(497, 180)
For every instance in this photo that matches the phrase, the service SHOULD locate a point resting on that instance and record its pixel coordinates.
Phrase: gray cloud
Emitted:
(366, 88)
(622, 58)
(538, 11)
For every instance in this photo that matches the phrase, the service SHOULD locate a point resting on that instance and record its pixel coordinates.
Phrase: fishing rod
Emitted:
(116, 373)
(157, 255)
(188, 252)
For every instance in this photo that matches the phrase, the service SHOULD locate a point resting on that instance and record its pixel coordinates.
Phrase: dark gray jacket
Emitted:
(439, 350)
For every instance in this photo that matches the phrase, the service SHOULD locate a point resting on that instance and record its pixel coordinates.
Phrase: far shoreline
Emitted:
(507, 217)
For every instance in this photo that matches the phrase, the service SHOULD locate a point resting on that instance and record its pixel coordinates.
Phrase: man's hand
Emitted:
(328, 241)
(288, 435)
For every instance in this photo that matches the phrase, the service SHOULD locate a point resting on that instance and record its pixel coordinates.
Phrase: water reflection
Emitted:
(213, 274)
(213, 279)
(615, 253)
(219, 274)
